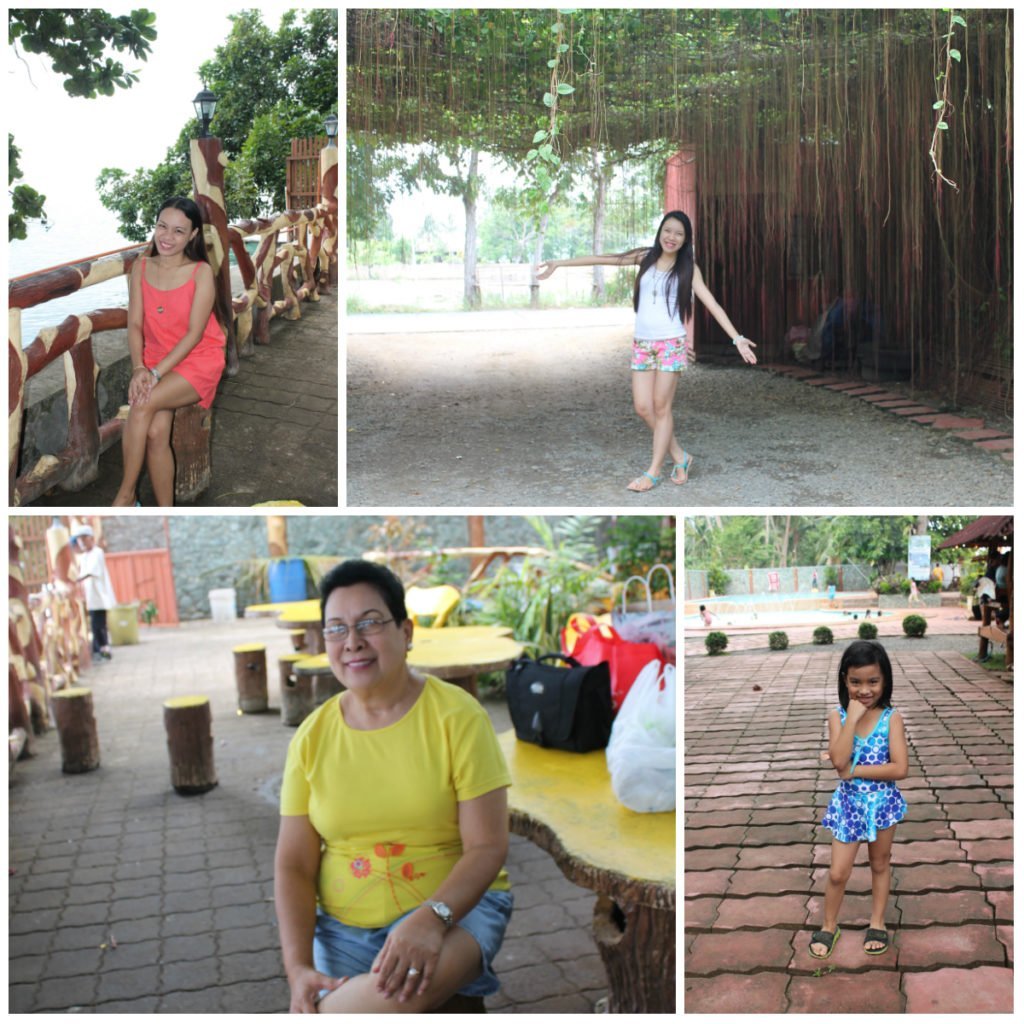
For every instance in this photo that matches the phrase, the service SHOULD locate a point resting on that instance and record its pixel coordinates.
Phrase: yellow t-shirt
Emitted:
(385, 802)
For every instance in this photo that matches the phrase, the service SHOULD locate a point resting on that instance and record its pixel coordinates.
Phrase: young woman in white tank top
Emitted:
(663, 293)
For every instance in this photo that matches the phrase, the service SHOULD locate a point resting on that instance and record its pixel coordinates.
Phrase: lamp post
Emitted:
(205, 104)
(331, 128)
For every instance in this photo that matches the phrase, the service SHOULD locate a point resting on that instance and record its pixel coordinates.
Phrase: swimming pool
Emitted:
(765, 611)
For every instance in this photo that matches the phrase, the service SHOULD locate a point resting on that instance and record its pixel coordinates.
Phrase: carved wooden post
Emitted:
(17, 375)
(23, 640)
(208, 162)
(329, 198)
(189, 726)
(83, 452)
(76, 725)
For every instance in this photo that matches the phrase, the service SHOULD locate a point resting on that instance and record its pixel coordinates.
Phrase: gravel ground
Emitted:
(533, 408)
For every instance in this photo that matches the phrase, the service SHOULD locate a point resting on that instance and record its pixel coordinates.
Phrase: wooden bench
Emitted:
(191, 435)
(564, 803)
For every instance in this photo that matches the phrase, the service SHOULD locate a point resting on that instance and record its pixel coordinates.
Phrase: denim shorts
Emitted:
(341, 950)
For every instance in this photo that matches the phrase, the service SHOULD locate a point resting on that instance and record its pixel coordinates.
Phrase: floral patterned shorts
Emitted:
(667, 354)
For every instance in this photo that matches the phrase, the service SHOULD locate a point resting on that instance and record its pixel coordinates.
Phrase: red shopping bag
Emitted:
(625, 660)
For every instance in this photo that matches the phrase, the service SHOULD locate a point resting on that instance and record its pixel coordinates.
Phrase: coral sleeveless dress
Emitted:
(861, 808)
(165, 316)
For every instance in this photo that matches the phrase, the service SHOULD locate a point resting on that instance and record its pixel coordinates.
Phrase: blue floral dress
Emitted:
(861, 808)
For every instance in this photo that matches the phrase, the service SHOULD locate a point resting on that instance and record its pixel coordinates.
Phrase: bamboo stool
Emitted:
(251, 677)
(76, 725)
(189, 726)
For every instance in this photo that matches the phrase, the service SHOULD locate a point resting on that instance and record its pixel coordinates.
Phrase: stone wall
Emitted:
(210, 552)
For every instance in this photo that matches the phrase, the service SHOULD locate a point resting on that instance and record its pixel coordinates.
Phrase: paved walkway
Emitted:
(757, 859)
(275, 424)
(126, 897)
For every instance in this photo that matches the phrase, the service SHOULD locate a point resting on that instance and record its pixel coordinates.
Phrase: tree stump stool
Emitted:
(298, 637)
(318, 671)
(76, 725)
(251, 677)
(190, 440)
(296, 691)
(189, 726)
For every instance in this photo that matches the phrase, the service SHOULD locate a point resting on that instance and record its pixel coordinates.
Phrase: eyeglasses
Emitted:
(365, 627)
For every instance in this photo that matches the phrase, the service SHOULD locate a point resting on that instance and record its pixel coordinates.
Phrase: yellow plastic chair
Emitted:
(435, 603)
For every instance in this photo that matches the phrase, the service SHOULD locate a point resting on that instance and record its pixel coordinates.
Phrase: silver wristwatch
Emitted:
(442, 910)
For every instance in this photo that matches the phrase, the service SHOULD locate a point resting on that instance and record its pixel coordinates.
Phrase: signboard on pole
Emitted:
(919, 557)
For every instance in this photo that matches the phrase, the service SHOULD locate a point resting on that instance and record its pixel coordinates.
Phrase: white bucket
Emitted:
(222, 605)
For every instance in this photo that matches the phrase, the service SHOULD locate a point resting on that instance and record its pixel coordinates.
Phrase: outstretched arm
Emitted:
(744, 346)
(615, 259)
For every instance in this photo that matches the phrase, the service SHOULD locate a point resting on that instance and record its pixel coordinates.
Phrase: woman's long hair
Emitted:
(682, 269)
(196, 251)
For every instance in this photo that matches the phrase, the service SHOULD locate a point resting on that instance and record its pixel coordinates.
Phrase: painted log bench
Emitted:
(564, 803)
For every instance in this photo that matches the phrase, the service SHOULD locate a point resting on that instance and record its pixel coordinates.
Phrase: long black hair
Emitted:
(195, 250)
(858, 655)
(682, 269)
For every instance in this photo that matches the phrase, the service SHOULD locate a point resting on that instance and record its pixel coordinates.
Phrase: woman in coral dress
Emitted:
(176, 338)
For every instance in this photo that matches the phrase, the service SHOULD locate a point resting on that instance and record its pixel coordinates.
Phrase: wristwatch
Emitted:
(156, 373)
(442, 910)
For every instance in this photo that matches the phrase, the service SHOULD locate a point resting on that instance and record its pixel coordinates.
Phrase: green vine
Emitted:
(943, 104)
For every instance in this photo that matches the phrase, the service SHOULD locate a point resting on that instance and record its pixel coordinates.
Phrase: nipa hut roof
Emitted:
(984, 530)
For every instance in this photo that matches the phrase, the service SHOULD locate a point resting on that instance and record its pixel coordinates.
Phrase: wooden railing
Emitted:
(306, 266)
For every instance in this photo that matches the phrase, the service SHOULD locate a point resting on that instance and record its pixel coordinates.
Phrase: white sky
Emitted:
(66, 141)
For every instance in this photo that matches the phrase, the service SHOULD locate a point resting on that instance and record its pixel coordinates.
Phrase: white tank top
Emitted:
(653, 322)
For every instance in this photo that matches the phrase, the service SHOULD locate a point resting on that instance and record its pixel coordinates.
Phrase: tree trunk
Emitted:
(538, 251)
(76, 725)
(471, 290)
(296, 691)
(189, 726)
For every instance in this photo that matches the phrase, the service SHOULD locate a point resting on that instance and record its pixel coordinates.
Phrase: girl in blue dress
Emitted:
(868, 749)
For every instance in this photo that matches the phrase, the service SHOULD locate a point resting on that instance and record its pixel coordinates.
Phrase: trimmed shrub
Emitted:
(778, 641)
(915, 625)
(823, 635)
(716, 642)
(867, 631)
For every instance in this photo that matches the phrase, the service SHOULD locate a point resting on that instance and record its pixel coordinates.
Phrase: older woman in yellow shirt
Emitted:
(390, 889)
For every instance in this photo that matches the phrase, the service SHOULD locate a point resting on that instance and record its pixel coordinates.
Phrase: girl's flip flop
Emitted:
(683, 467)
(655, 480)
(824, 939)
(876, 935)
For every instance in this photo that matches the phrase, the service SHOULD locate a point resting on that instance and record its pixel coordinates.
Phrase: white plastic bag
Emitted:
(642, 750)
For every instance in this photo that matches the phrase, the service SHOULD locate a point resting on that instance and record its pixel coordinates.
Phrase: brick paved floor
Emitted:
(184, 885)
(756, 858)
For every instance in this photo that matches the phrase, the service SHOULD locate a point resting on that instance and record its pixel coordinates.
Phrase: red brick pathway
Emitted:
(756, 858)
(997, 441)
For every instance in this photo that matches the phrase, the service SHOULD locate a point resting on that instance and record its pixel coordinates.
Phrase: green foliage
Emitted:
(716, 642)
(915, 625)
(537, 596)
(26, 202)
(718, 580)
(270, 87)
(823, 635)
(867, 631)
(636, 543)
(74, 40)
(778, 641)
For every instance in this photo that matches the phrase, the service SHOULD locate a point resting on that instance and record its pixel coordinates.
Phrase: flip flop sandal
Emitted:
(876, 935)
(825, 939)
(655, 480)
(685, 467)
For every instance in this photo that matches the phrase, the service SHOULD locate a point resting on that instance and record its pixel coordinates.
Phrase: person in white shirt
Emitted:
(96, 585)
(663, 294)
